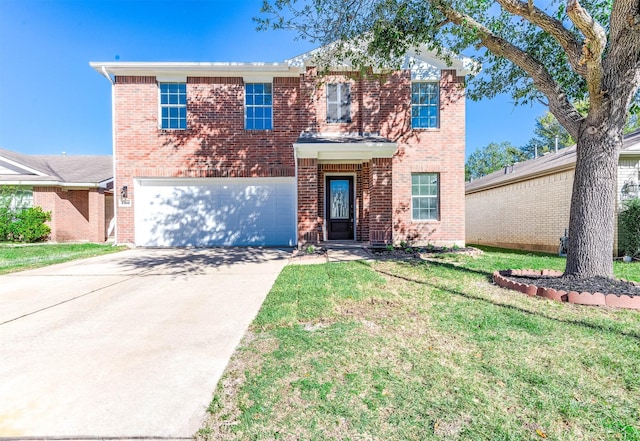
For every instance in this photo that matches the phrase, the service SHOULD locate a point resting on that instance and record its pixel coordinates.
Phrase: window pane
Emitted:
(424, 105)
(332, 92)
(258, 105)
(424, 191)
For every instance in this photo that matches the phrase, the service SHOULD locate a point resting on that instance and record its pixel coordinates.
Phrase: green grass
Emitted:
(428, 351)
(22, 257)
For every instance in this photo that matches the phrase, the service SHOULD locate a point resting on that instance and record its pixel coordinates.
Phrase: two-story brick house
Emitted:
(275, 154)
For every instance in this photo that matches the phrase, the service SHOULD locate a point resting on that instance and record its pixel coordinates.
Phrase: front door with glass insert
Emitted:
(339, 211)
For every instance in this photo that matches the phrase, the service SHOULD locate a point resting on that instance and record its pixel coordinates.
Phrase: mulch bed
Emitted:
(418, 252)
(592, 284)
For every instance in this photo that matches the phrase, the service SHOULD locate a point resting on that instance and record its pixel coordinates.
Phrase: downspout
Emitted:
(106, 74)
(295, 161)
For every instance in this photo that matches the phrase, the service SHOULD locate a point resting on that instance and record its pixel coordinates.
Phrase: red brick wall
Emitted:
(216, 144)
(438, 150)
(76, 215)
(308, 216)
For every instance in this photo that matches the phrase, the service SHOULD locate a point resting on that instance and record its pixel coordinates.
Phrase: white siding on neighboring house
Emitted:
(628, 178)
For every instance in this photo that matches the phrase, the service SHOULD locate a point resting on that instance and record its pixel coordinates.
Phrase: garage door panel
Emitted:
(215, 212)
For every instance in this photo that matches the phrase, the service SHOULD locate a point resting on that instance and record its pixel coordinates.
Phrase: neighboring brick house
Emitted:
(77, 190)
(213, 154)
(527, 206)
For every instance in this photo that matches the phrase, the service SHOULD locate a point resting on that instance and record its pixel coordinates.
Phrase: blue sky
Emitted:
(52, 101)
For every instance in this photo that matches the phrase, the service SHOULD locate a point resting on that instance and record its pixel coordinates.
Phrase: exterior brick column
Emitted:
(381, 202)
(308, 225)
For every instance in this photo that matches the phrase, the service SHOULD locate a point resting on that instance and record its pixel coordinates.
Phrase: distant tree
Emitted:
(490, 158)
(545, 133)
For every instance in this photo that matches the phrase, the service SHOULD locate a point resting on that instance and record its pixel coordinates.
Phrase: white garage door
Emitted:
(215, 212)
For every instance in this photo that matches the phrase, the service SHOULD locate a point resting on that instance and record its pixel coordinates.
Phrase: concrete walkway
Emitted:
(126, 345)
(334, 252)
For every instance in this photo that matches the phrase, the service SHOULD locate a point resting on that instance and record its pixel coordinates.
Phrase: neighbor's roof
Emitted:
(546, 164)
(65, 171)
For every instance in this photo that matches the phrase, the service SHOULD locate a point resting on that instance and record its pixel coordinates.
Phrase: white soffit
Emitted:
(194, 69)
(361, 151)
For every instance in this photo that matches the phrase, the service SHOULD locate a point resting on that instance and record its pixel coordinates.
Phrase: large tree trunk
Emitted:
(591, 222)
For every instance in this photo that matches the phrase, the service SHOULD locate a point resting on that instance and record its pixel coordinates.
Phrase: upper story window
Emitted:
(173, 105)
(339, 103)
(258, 106)
(424, 105)
(424, 196)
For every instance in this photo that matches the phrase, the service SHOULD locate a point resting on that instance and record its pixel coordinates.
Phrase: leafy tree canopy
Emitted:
(491, 158)
(535, 51)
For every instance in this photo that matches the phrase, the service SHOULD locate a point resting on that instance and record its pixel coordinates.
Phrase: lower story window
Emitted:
(425, 196)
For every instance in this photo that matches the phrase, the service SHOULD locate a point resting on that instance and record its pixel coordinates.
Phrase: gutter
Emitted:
(75, 185)
(521, 178)
(113, 149)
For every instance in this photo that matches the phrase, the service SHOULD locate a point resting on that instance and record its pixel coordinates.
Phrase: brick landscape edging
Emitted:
(579, 298)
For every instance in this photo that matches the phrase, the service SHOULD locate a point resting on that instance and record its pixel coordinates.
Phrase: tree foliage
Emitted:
(491, 158)
(630, 227)
(557, 52)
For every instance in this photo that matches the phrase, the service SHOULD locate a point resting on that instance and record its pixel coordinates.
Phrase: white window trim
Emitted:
(338, 102)
(257, 105)
(170, 105)
(437, 197)
(437, 84)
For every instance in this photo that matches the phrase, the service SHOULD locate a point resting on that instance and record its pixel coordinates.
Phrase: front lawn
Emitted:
(21, 257)
(408, 350)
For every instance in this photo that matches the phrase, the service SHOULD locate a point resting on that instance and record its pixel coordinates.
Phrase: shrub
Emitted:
(629, 220)
(29, 225)
(6, 217)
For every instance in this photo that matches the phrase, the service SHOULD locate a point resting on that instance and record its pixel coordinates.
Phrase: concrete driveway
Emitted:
(125, 345)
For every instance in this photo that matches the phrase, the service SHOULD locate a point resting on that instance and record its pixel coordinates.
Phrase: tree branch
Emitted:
(592, 49)
(554, 27)
(559, 103)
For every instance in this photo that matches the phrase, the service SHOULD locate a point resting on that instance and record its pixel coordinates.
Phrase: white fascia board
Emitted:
(345, 151)
(463, 65)
(76, 185)
(103, 184)
(194, 69)
(22, 166)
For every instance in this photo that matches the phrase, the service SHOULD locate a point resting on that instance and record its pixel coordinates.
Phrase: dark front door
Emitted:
(340, 218)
